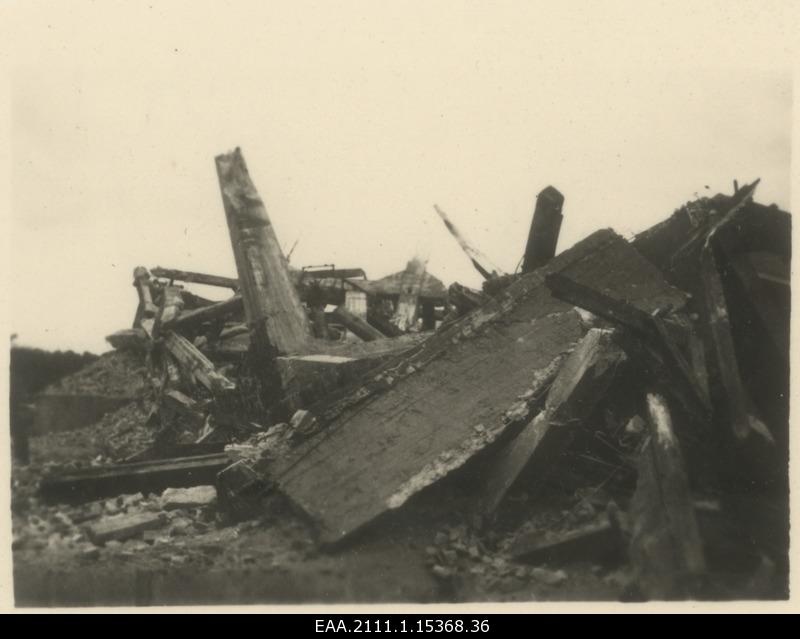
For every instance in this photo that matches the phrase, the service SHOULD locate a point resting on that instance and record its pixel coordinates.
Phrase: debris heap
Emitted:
(644, 383)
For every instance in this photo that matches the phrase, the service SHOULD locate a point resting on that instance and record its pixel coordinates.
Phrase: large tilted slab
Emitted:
(427, 412)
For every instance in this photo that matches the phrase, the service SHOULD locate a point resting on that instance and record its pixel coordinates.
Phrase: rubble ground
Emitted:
(424, 555)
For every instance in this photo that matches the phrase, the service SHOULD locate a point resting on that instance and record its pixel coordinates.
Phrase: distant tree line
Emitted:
(33, 369)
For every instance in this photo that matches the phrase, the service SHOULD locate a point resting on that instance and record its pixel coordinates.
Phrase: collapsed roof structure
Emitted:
(655, 369)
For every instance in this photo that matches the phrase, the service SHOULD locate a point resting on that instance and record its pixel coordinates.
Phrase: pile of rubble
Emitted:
(621, 406)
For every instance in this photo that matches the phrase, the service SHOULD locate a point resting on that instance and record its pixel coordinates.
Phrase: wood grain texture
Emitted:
(426, 413)
(271, 301)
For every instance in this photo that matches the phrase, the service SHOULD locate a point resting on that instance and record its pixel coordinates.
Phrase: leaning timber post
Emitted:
(276, 317)
(545, 227)
(359, 327)
(666, 548)
(271, 302)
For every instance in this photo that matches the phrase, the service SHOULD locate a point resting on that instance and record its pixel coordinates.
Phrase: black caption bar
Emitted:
(477, 624)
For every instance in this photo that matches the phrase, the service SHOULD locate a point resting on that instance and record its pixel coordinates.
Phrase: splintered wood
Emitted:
(666, 548)
(578, 382)
(196, 366)
(271, 302)
(481, 263)
(425, 414)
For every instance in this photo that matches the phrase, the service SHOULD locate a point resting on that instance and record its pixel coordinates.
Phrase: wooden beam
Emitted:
(333, 273)
(382, 324)
(138, 477)
(666, 548)
(545, 227)
(577, 384)
(190, 277)
(356, 325)
(600, 541)
(124, 526)
(199, 316)
(195, 365)
(271, 302)
(764, 304)
(590, 299)
(657, 338)
(739, 403)
(481, 263)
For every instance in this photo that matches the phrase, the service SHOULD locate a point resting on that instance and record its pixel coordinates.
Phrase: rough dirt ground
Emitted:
(422, 553)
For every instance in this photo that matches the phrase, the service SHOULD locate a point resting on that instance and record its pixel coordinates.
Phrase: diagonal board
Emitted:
(582, 380)
(427, 412)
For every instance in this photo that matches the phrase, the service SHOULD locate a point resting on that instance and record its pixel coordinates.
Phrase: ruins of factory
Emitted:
(611, 422)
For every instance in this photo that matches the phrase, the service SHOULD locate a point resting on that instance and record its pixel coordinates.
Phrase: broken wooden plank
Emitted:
(666, 548)
(732, 209)
(173, 451)
(332, 273)
(580, 381)
(356, 325)
(383, 324)
(190, 277)
(770, 267)
(169, 308)
(599, 541)
(213, 313)
(122, 527)
(603, 305)
(405, 316)
(138, 477)
(739, 404)
(768, 308)
(481, 263)
(271, 302)
(697, 360)
(195, 365)
(545, 227)
(656, 333)
(424, 414)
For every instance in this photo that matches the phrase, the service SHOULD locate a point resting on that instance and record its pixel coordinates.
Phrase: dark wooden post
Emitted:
(545, 227)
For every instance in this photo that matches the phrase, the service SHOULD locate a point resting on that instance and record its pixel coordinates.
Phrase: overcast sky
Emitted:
(354, 119)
